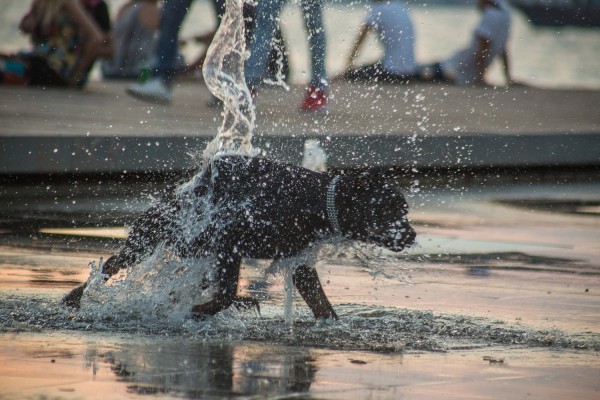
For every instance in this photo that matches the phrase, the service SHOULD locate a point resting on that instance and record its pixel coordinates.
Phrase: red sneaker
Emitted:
(315, 100)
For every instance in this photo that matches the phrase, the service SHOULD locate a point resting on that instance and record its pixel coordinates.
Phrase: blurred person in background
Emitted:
(391, 21)
(158, 89)
(65, 43)
(490, 38)
(98, 10)
(278, 62)
(267, 17)
(135, 29)
(167, 63)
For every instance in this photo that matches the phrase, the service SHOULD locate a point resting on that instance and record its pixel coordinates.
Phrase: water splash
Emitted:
(361, 327)
(164, 287)
(314, 157)
(223, 73)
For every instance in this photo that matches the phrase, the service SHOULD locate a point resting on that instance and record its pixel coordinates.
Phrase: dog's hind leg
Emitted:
(73, 298)
(228, 273)
(246, 303)
(156, 224)
(309, 286)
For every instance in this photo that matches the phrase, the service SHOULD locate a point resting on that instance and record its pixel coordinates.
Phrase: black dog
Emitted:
(270, 210)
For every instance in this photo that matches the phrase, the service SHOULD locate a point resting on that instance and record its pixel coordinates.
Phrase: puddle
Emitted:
(68, 366)
(441, 306)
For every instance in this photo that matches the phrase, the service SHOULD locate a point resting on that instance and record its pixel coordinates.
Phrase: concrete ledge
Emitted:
(28, 155)
(416, 126)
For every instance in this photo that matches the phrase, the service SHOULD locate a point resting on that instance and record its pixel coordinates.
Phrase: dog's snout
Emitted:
(397, 237)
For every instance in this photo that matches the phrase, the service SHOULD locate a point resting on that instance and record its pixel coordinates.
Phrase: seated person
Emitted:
(98, 10)
(391, 21)
(65, 43)
(468, 66)
(135, 28)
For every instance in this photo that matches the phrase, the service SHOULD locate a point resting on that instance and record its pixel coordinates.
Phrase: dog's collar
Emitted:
(331, 210)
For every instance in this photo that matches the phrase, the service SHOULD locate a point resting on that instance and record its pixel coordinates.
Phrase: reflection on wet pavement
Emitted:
(99, 366)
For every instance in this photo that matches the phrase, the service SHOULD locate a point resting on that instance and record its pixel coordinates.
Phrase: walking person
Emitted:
(278, 64)
(135, 28)
(267, 16)
(158, 89)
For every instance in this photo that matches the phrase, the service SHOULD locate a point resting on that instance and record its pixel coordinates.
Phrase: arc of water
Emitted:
(223, 73)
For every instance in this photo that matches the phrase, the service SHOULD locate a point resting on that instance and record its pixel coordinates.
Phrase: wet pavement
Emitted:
(64, 366)
(500, 299)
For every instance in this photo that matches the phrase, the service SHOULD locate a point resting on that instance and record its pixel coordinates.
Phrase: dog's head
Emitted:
(379, 214)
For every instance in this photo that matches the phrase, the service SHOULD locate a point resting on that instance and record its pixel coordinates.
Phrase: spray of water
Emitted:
(157, 291)
(224, 75)
(165, 286)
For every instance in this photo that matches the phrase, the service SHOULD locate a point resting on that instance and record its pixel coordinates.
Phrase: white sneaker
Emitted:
(154, 90)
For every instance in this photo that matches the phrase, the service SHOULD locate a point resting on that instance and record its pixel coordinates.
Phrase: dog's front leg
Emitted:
(309, 286)
(228, 273)
(157, 223)
(73, 298)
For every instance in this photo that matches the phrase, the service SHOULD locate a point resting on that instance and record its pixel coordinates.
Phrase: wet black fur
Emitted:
(267, 210)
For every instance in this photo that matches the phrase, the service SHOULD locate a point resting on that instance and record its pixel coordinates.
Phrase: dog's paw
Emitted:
(111, 266)
(199, 311)
(73, 299)
(246, 303)
(324, 311)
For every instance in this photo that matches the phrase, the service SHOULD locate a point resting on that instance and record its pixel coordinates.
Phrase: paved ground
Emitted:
(510, 290)
(104, 130)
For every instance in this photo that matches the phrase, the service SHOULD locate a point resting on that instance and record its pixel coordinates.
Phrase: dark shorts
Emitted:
(40, 74)
(437, 73)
